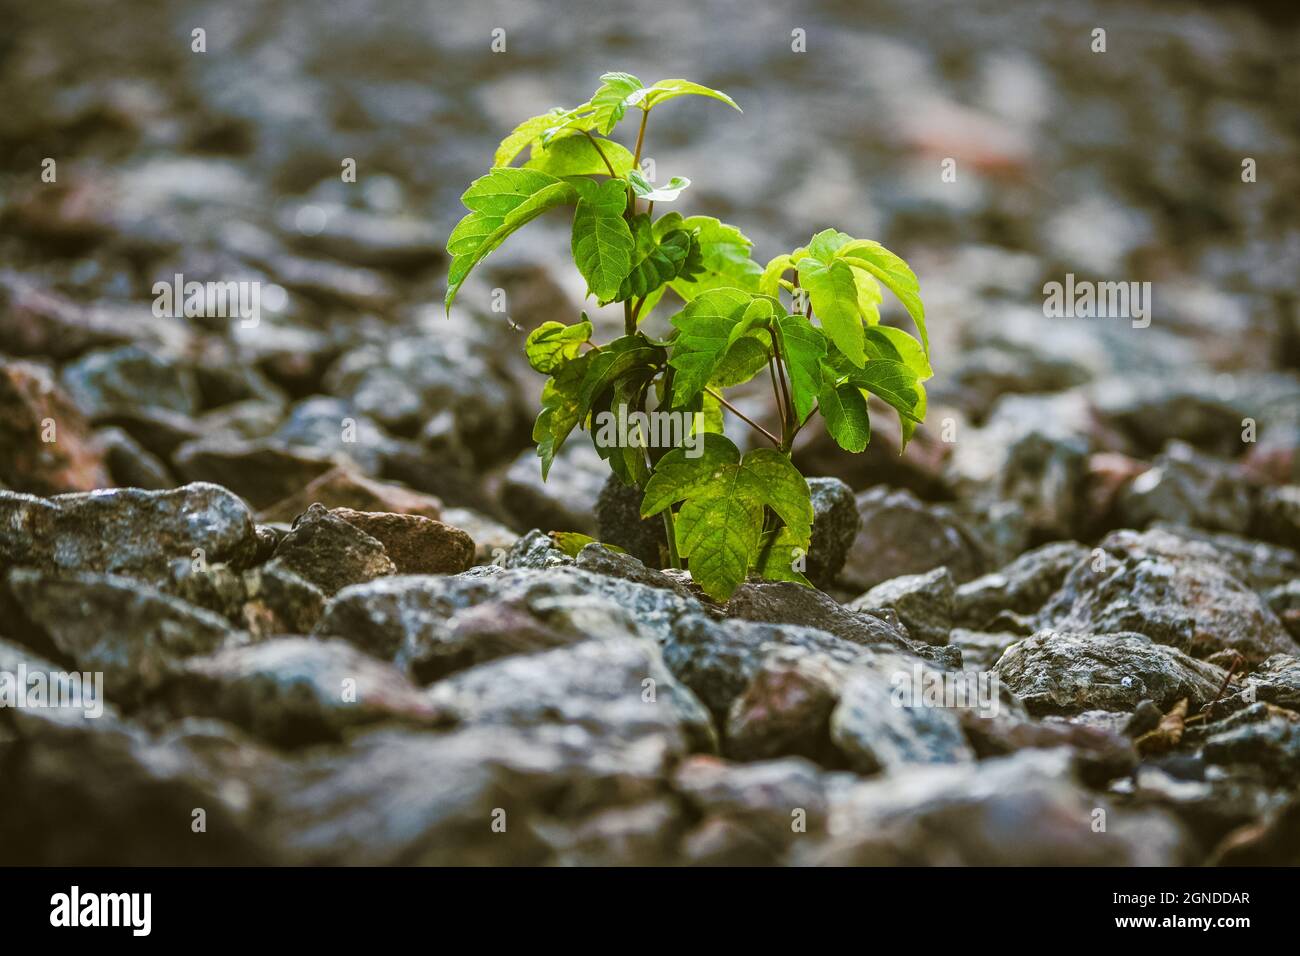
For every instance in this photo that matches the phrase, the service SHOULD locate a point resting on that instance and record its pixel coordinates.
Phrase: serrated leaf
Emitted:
(720, 524)
(646, 190)
(666, 90)
(561, 409)
(894, 273)
(615, 360)
(744, 359)
(552, 344)
(500, 203)
(526, 133)
(609, 103)
(654, 261)
(602, 242)
(724, 258)
(833, 294)
(802, 348)
(704, 334)
(779, 552)
(844, 410)
(574, 154)
(826, 243)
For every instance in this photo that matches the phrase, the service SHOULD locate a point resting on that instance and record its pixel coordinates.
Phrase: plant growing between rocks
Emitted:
(810, 319)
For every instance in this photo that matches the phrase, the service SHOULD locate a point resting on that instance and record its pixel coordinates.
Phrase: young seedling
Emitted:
(726, 515)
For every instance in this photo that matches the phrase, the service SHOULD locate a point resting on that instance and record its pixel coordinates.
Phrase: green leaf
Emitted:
(704, 335)
(574, 154)
(644, 189)
(615, 360)
(802, 348)
(561, 409)
(744, 359)
(552, 344)
(826, 243)
(499, 203)
(609, 103)
(778, 553)
(845, 412)
(720, 524)
(834, 296)
(886, 342)
(895, 383)
(602, 242)
(724, 257)
(654, 262)
(769, 282)
(896, 275)
(571, 542)
(527, 133)
(666, 90)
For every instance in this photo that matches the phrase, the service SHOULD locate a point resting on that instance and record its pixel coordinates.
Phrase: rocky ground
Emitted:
(309, 557)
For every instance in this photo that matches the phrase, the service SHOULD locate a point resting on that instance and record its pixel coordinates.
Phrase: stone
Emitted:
(1063, 673)
(135, 634)
(264, 600)
(297, 691)
(491, 538)
(331, 553)
(1277, 515)
(1178, 592)
(786, 711)
(835, 526)
(923, 602)
(263, 471)
(46, 445)
(344, 488)
(617, 689)
(1022, 586)
(1184, 487)
(131, 464)
(619, 522)
(900, 535)
(127, 379)
(415, 544)
(126, 531)
(564, 500)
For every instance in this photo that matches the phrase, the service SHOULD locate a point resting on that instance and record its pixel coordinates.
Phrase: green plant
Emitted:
(725, 514)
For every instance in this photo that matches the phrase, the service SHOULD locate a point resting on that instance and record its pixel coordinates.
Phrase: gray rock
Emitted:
(331, 553)
(836, 523)
(294, 691)
(783, 602)
(415, 544)
(535, 550)
(491, 538)
(412, 611)
(598, 559)
(923, 602)
(900, 535)
(1271, 745)
(617, 689)
(1262, 565)
(263, 470)
(127, 379)
(1275, 681)
(1063, 673)
(1023, 586)
(416, 798)
(1184, 487)
(747, 812)
(131, 464)
(980, 650)
(135, 634)
(876, 734)
(1277, 515)
(269, 599)
(126, 530)
(566, 500)
(619, 522)
(1021, 810)
(1177, 592)
(785, 711)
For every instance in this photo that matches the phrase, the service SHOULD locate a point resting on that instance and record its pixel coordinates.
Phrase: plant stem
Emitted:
(640, 139)
(789, 419)
(776, 391)
(629, 320)
(745, 418)
(601, 153)
(670, 530)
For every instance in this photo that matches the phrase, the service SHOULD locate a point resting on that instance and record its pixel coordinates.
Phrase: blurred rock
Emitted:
(923, 602)
(900, 535)
(1022, 586)
(330, 552)
(46, 445)
(415, 544)
(835, 525)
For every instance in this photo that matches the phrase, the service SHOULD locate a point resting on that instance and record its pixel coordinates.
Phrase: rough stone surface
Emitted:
(332, 553)
(900, 535)
(1054, 673)
(835, 525)
(1022, 586)
(415, 545)
(1177, 592)
(923, 602)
